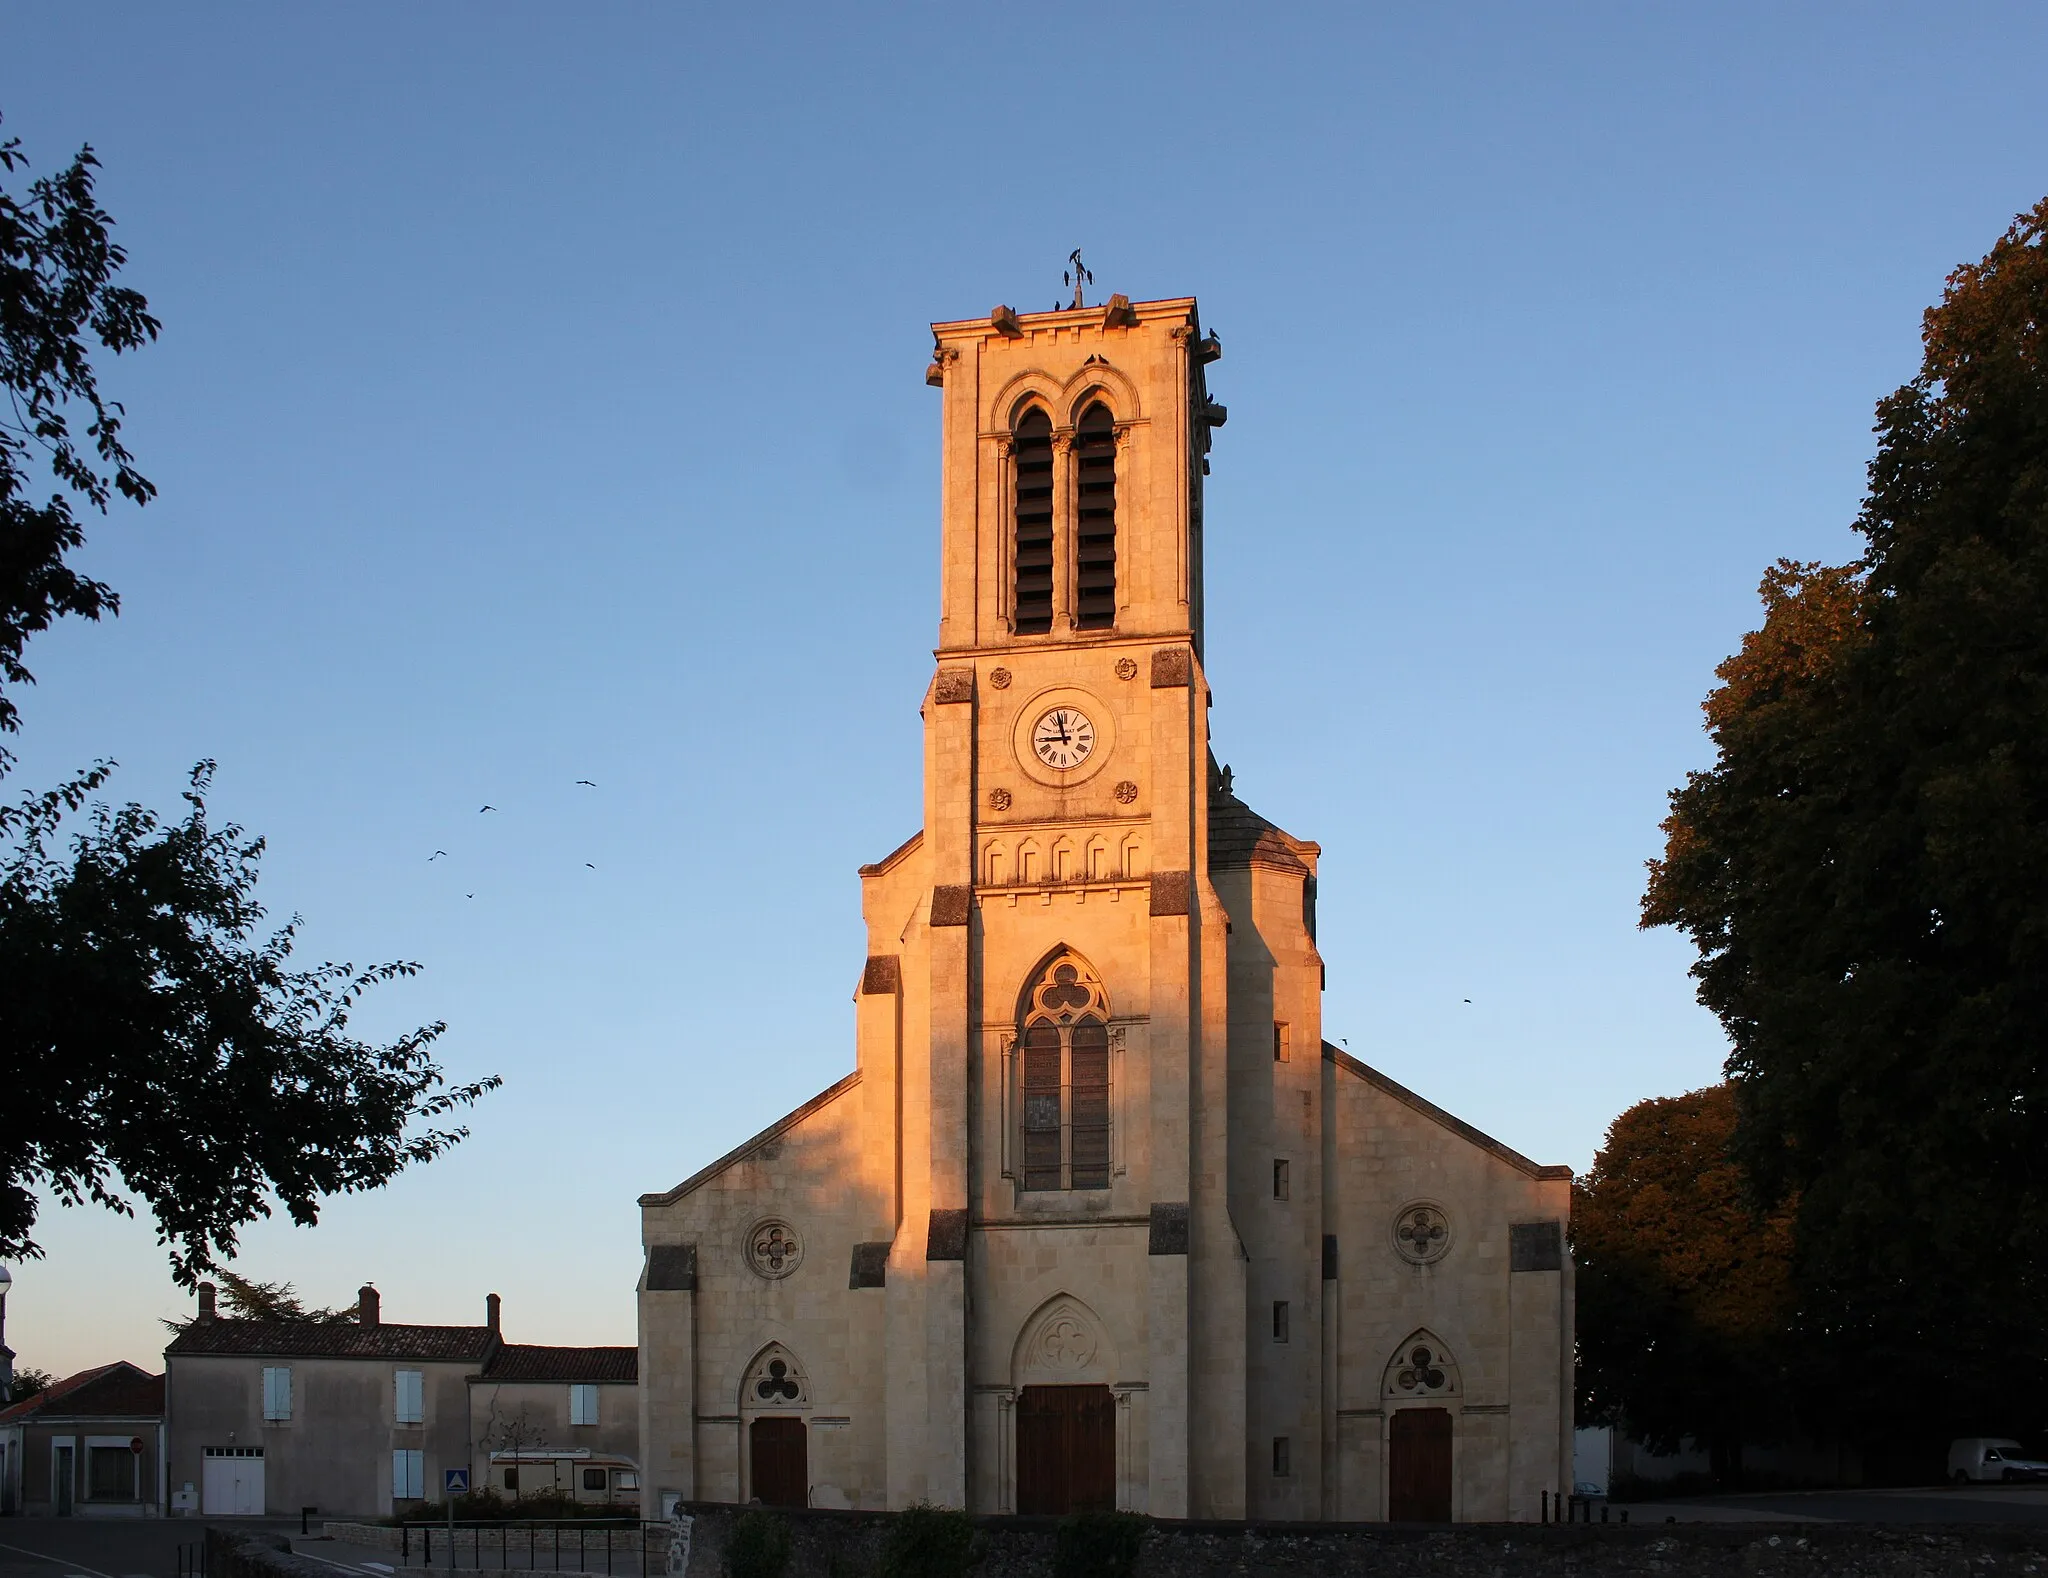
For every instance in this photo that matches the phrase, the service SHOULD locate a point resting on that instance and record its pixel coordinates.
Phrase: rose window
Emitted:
(1422, 1233)
(773, 1249)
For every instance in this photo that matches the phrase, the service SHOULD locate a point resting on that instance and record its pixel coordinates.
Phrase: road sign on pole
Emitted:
(455, 1481)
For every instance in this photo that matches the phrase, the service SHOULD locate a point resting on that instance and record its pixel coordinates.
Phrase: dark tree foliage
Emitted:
(152, 1036)
(57, 296)
(243, 1298)
(1864, 871)
(1683, 1287)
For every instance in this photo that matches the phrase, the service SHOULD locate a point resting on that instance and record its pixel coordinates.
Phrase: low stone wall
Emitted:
(848, 1545)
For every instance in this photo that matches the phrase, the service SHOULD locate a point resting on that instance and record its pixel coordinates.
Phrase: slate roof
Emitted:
(523, 1361)
(109, 1391)
(1239, 836)
(333, 1340)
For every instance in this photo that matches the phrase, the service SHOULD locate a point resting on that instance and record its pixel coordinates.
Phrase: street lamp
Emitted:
(6, 1353)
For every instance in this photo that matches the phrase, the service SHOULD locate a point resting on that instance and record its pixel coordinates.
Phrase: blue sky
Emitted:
(540, 398)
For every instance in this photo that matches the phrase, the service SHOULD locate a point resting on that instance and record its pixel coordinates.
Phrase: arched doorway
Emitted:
(1419, 1466)
(1065, 1413)
(778, 1444)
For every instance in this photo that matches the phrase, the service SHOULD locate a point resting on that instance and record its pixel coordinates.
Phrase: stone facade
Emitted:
(1099, 1216)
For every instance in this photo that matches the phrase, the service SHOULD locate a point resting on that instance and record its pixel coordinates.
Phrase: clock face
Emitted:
(1063, 737)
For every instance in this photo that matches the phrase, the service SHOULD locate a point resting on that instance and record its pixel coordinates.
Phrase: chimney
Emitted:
(366, 1305)
(206, 1310)
(491, 1304)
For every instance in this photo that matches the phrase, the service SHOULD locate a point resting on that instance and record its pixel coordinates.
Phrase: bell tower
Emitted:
(1072, 1071)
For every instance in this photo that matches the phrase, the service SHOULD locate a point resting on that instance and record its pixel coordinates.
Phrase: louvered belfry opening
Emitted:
(1095, 527)
(1033, 456)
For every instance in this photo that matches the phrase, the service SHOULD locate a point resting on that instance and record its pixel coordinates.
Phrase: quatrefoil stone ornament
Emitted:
(1422, 1232)
(1126, 668)
(1126, 792)
(773, 1249)
(999, 800)
(1000, 678)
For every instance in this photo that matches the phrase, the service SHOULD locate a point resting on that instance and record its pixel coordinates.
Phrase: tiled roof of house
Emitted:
(521, 1361)
(108, 1391)
(332, 1340)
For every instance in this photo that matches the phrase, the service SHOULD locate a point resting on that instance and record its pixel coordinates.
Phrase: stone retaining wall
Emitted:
(848, 1545)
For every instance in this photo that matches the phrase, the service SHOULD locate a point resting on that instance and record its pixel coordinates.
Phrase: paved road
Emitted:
(104, 1547)
(1934, 1504)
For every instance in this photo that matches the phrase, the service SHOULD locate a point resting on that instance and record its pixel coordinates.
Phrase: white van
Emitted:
(1976, 1459)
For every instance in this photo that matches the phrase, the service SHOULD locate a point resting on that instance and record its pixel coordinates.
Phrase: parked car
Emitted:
(1977, 1459)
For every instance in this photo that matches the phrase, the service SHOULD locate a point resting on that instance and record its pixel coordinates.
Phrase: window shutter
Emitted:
(277, 1392)
(583, 1405)
(412, 1396)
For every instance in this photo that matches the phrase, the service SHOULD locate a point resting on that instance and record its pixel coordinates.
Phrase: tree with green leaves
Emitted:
(1684, 1288)
(1864, 873)
(155, 1039)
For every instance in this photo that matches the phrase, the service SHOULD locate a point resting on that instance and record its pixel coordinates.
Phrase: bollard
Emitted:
(1546, 1506)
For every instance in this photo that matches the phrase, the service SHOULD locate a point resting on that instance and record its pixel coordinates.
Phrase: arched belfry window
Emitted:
(1064, 1049)
(1033, 514)
(1095, 522)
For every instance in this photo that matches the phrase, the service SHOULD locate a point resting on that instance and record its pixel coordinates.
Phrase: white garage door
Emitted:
(234, 1482)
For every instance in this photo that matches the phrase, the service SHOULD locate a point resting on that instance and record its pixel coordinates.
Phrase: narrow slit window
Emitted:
(1279, 1180)
(1282, 1051)
(1095, 523)
(1033, 462)
(1281, 1331)
(1283, 1457)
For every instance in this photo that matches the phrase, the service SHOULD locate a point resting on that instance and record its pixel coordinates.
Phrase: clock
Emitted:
(1063, 738)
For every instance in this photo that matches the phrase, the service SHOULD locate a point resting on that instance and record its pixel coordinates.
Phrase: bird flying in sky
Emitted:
(586, 783)
(480, 810)
(436, 855)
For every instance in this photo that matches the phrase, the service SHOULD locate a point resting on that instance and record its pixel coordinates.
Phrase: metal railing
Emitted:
(192, 1560)
(616, 1546)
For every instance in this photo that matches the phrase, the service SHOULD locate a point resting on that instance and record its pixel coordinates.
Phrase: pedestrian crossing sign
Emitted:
(457, 1481)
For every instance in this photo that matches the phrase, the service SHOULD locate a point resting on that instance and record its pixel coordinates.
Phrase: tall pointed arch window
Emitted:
(1032, 473)
(1095, 519)
(1064, 1052)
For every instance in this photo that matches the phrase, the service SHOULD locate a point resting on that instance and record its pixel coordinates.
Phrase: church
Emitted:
(1099, 1219)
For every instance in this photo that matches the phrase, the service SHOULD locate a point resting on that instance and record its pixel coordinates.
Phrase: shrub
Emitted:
(928, 1542)
(1097, 1545)
(759, 1547)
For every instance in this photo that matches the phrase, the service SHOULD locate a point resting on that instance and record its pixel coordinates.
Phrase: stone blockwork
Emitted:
(1095, 1154)
(847, 1545)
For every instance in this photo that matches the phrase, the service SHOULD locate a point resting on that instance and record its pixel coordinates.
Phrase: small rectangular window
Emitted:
(1279, 1180)
(1283, 1051)
(1283, 1457)
(511, 1479)
(1280, 1320)
(411, 1387)
(110, 1473)
(582, 1405)
(593, 1479)
(408, 1474)
(277, 1393)
(625, 1479)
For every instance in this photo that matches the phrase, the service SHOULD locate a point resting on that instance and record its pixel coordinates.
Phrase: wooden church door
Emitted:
(1419, 1466)
(1066, 1449)
(781, 1473)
